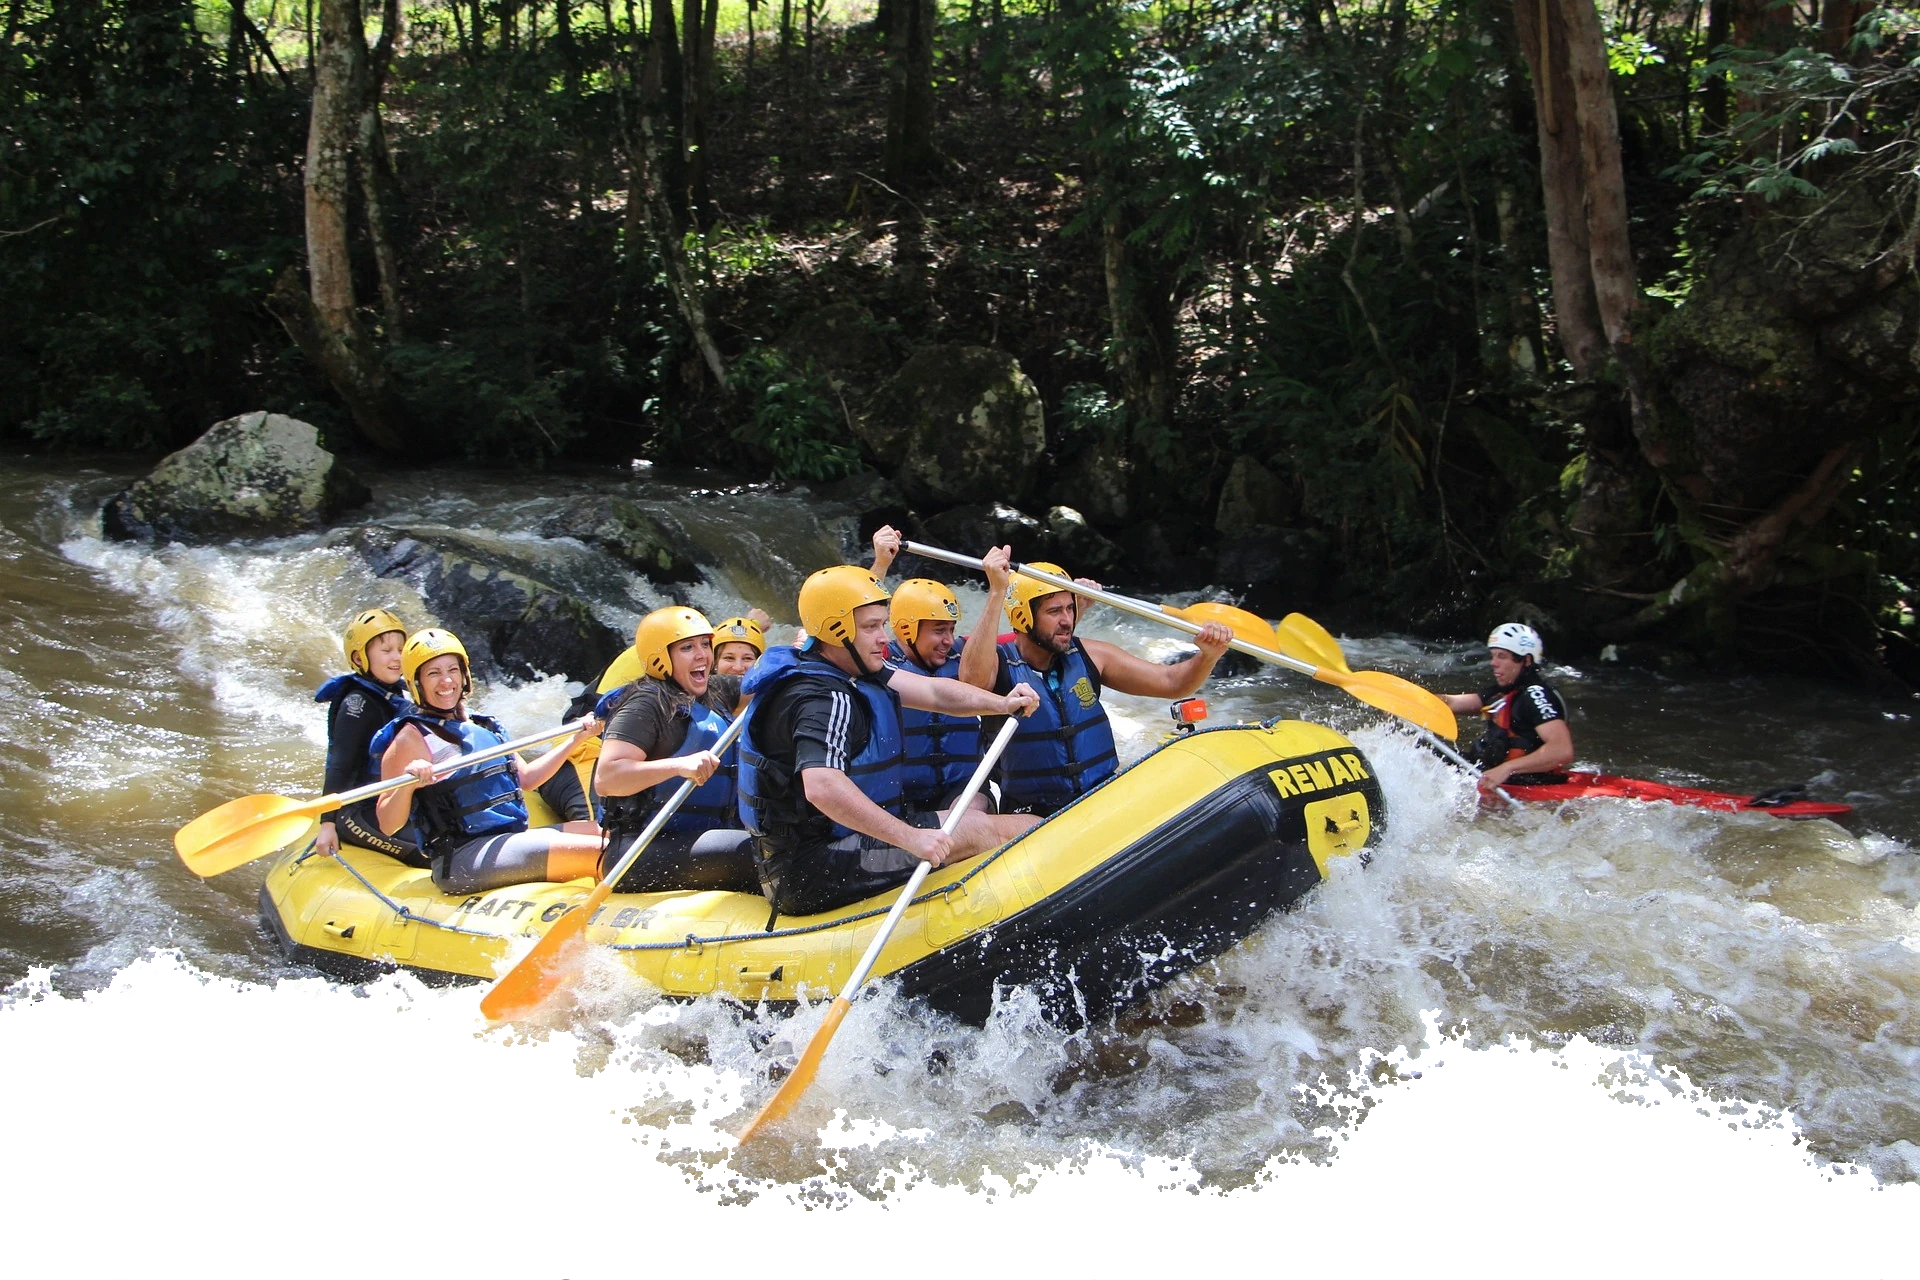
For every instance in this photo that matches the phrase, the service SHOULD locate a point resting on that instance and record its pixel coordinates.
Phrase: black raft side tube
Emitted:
(1181, 894)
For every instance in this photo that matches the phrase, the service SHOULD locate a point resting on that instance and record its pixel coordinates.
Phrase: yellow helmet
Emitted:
(423, 647)
(364, 629)
(1023, 591)
(740, 631)
(921, 600)
(829, 597)
(660, 630)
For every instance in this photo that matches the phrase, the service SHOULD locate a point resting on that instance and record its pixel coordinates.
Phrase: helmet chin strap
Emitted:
(858, 663)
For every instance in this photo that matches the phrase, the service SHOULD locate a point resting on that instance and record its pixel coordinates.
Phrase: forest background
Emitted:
(1417, 314)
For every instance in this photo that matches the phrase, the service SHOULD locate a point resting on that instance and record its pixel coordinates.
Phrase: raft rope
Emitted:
(693, 940)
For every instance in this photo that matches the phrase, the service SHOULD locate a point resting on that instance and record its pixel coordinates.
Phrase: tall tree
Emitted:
(324, 319)
(910, 102)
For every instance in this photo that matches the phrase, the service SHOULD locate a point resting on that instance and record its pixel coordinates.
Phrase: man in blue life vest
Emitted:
(941, 750)
(1527, 739)
(1066, 747)
(822, 777)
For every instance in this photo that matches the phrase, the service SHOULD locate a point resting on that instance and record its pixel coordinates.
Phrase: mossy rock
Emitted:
(958, 424)
(256, 475)
(628, 533)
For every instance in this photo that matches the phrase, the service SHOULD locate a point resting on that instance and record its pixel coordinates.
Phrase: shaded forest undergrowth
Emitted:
(1278, 275)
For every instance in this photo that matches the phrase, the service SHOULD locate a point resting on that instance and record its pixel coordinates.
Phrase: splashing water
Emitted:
(1760, 972)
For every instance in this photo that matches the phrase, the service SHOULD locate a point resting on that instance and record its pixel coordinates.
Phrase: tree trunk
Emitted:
(325, 322)
(910, 103)
(663, 103)
(696, 34)
(1542, 30)
(1713, 98)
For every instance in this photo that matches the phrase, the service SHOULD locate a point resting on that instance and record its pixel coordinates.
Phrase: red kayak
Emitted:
(1787, 802)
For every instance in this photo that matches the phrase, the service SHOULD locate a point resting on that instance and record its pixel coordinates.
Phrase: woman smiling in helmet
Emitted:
(660, 731)
(739, 642)
(1527, 738)
(473, 822)
(359, 705)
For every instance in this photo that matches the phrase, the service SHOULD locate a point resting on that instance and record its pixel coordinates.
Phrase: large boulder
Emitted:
(1101, 481)
(629, 534)
(958, 424)
(512, 622)
(258, 475)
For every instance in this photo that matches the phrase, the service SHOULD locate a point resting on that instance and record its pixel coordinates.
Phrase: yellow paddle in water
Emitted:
(544, 970)
(1391, 694)
(1307, 639)
(809, 1064)
(239, 831)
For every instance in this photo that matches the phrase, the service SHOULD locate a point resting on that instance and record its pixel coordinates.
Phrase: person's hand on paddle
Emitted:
(1022, 701)
(933, 847)
(326, 842)
(586, 732)
(1213, 640)
(1493, 779)
(996, 564)
(698, 767)
(886, 545)
(421, 771)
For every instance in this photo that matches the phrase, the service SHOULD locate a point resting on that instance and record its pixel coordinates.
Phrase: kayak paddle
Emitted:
(237, 832)
(543, 970)
(809, 1064)
(1307, 639)
(1389, 693)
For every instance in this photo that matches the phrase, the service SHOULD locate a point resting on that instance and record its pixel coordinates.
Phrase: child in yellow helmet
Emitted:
(359, 705)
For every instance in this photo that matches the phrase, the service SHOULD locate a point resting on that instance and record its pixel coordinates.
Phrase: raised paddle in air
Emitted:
(239, 831)
(1389, 693)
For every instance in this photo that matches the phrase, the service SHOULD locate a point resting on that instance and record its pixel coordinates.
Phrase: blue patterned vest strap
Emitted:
(941, 750)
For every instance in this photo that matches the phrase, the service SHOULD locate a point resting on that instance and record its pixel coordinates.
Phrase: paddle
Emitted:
(1391, 694)
(543, 970)
(239, 831)
(1305, 638)
(809, 1064)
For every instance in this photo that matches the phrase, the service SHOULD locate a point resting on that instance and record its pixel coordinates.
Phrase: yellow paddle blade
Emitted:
(803, 1072)
(1250, 627)
(241, 830)
(1307, 640)
(547, 968)
(1396, 697)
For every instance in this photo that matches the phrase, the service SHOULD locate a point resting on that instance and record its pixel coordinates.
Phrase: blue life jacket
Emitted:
(335, 691)
(1065, 748)
(479, 800)
(710, 807)
(941, 750)
(876, 770)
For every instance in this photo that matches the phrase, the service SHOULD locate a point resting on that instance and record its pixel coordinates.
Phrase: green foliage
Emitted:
(793, 422)
(142, 214)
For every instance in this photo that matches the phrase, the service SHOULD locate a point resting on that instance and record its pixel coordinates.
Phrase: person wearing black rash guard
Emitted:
(1527, 741)
(359, 705)
(820, 781)
(659, 732)
(473, 821)
(1066, 748)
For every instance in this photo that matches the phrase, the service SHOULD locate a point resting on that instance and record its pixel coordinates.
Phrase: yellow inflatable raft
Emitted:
(1163, 866)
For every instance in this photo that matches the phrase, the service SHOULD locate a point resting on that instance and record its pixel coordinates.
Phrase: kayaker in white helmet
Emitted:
(1527, 740)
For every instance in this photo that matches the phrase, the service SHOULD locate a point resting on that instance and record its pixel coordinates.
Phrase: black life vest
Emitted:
(1502, 741)
(1065, 748)
(335, 691)
(941, 750)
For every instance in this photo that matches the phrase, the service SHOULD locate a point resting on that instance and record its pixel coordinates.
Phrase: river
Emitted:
(1750, 968)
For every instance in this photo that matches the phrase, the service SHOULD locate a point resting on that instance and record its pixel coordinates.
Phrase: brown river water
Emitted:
(1774, 963)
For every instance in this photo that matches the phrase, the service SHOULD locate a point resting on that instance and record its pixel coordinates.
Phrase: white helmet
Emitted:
(1519, 639)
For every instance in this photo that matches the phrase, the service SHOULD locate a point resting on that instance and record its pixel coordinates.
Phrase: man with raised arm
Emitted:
(822, 783)
(1065, 748)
